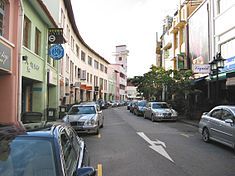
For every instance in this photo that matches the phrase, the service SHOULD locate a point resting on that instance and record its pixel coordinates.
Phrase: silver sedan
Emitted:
(159, 111)
(85, 118)
(219, 125)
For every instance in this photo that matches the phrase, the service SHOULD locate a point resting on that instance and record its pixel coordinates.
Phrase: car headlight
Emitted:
(91, 122)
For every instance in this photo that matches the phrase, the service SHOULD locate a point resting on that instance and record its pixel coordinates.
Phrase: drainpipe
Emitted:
(20, 44)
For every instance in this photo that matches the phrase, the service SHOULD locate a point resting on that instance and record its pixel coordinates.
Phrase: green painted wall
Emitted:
(36, 66)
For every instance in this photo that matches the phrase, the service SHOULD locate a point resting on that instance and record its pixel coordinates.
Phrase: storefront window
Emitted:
(2, 7)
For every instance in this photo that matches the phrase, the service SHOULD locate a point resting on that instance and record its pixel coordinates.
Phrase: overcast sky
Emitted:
(104, 24)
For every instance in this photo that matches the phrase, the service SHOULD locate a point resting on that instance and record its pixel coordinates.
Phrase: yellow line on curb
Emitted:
(99, 168)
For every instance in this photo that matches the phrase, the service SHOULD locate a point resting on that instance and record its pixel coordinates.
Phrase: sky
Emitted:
(104, 24)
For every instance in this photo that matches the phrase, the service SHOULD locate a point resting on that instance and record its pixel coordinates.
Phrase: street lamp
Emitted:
(217, 64)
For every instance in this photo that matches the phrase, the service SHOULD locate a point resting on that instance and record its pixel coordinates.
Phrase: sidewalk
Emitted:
(188, 121)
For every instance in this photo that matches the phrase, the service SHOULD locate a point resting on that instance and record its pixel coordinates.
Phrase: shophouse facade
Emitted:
(10, 48)
(223, 41)
(83, 72)
(39, 72)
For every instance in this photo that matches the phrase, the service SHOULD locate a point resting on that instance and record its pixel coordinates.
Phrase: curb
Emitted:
(195, 124)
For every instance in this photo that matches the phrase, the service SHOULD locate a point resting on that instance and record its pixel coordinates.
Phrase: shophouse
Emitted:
(39, 71)
(10, 47)
(112, 82)
(83, 72)
(223, 41)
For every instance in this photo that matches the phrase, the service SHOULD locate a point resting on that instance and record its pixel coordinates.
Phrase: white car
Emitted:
(85, 118)
(160, 111)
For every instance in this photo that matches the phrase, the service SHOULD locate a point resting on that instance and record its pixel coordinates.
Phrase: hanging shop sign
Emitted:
(56, 52)
(55, 36)
(5, 57)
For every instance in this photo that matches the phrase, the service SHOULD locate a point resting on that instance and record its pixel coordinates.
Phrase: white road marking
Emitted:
(185, 135)
(157, 146)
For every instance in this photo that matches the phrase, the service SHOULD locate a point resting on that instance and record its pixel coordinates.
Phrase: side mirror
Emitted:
(205, 113)
(229, 121)
(86, 171)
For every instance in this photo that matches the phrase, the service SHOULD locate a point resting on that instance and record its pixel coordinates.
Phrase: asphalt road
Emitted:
(133, 146)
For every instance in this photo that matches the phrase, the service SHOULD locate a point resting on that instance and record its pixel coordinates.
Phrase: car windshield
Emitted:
(22, 157)
(82, 110)
(233, 109)
(160, 106)
(142, 103)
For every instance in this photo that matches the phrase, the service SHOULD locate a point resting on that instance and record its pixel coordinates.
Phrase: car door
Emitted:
(227, 130)
(214, 121)
(148, 110)
(68, 154)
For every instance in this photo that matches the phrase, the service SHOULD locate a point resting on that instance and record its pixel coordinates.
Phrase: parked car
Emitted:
(219, 125)
(54, 151)
(131, 108)
(85, 117)
(139, 107)
(160, 111)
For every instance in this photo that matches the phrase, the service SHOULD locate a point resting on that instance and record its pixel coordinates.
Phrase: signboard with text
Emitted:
(55, 36)
(5, 57)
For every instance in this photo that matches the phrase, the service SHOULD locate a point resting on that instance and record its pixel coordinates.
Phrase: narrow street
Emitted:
(131, 145)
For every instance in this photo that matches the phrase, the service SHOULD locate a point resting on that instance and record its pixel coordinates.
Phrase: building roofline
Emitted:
(69, 8)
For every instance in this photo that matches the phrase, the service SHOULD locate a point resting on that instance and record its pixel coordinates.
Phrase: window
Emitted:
(89, 60)
(37, 42)
(72, 43)
(91, 78)
(105, 69)
(26, 35)
(120, 58)
(101, 67)
(88, 76)
(79, 73)
(83, 56)
(69, 154)
(75, 71)
(71, 71)
(227, 115)
(83, 75)
(2, 15)
(62, 18)
(67, 63)
(96, 64)
(77, 51)
(216, 113)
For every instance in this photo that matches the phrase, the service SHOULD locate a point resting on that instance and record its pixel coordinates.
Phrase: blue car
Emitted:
(50, 151)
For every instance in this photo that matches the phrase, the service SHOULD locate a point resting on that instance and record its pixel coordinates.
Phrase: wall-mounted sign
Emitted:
(55, 36)
(56, 52)
(203, 69)
(5, 57)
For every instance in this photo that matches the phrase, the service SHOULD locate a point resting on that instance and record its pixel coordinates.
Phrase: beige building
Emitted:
(174, 37)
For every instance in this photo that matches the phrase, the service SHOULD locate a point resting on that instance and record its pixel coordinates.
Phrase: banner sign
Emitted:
(55, 36)
(203, 69)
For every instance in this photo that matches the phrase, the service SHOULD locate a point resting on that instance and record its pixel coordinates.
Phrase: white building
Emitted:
(83, 72)
(121, 67)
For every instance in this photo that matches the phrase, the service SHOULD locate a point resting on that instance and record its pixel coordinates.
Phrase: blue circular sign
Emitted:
(56, 52)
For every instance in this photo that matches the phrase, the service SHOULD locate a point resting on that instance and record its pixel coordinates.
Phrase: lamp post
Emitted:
(217, 64)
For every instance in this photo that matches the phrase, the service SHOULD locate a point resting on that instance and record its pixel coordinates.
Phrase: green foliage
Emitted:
(151, 83)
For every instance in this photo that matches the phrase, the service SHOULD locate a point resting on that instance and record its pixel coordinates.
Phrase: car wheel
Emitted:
(205, 135)
(152, 118)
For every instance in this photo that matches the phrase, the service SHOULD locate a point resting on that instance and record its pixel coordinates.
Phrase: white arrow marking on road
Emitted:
(157, 146)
